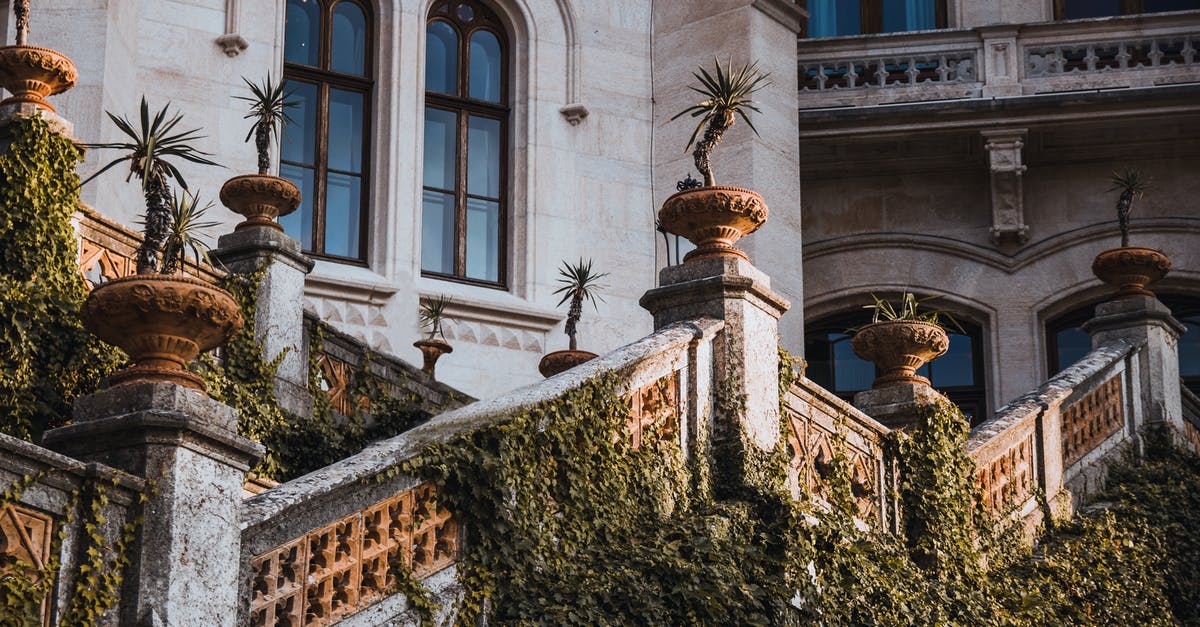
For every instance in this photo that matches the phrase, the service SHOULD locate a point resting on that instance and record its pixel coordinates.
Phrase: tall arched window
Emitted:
(464, 212)
(833, 365)
(324, 148)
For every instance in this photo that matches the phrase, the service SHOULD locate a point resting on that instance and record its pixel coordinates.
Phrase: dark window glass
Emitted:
(1162, 6)
(323, 150)
(831, 18)
(1081, 9)
(833, 365)
(463, 206)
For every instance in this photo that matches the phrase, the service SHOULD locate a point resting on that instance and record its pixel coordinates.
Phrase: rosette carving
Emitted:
(1130, 269)
(31, 73)
(713, 218)
(899, 348)
(261, 198)
(162, 322)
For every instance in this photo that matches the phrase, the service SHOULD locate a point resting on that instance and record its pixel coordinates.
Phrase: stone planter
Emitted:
(31, 73)
(898, 348)
(562, 361)
(713, 218)
(261, 198)
(162, 322)
(432, 350)
(1130, 269)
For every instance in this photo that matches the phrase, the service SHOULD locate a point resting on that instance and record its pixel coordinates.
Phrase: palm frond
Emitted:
(910, 308)
(725, 90)
(1129, 180)
(579, 279)
(152, 145)
(187, 228)
(433, 313)
(268, 105)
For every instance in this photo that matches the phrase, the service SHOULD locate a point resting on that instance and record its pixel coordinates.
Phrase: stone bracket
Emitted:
(1007, 189)
(231, 42)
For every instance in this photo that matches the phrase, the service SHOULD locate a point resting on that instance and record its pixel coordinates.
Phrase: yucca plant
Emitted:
(726, 93)
(578, 283)
(268, 108)
(21, 17)
(433, 314)
(187, 227)
(151, 147)
(910, 309)
(1132, 185)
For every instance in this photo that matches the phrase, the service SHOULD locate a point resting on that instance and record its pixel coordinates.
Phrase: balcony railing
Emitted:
(998, 61)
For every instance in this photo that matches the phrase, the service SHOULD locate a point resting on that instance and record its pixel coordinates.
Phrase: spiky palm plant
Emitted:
(187, 226)
(726, 93)
(268, 108)
(433, 314)
(579, 283)
(151, 147)
(21, 17)
(1132, 185)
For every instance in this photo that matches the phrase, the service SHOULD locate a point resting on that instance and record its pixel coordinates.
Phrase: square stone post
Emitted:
(184, 564)
(745, 357)
(1145, 320)
(898, 406)
(279, 310)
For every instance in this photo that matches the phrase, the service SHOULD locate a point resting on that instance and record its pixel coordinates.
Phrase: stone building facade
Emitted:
(965, 157)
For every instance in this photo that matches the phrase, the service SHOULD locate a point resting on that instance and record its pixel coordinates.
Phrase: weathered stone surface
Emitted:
(897, 405)
(1144, 320)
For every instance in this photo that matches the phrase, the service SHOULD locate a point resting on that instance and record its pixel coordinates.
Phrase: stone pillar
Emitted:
(898, 406)
(184, 565)
(1144, 319)
(745, 358)
(279, 310)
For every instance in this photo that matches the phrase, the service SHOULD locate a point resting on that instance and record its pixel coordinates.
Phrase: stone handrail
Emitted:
(321, 548)
(1191, 417)
(1055, 436)
(1003, 60)
(816, 425)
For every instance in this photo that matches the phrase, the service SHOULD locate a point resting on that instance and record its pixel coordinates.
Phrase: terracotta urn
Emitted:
(261, 198)
(713, 218)
(898, 348)
(432, 350)
(1130, 269)
(31, 73)
(162, 322)
(562, 361)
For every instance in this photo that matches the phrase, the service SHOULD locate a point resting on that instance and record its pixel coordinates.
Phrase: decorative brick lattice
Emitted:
(811, 449)
(1010, 477)
(25, 541)
(338, 569)
(654, 409)
(98, 264)
(1092, 420)
(338, 379)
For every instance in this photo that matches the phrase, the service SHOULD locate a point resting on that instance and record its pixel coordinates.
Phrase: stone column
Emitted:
(898, 406)
(745, 358)
(1144, 319)
(279, 310)
(184, 564)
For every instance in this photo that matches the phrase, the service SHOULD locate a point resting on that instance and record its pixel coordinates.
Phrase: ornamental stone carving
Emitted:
(31, 73)
(899, 348)
(261, 198)
(713, 218)
(1130, 269)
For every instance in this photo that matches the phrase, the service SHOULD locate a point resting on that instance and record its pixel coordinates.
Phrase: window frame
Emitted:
(870, 18)
(326, 79)
(463, 106)
(1128, 7)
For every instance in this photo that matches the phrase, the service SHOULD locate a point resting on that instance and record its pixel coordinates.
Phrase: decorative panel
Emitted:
(343, 567)
(25, 542)
(654, 409)
(338, 381)
(812, 445)
(1009, 478)
(1091, 420)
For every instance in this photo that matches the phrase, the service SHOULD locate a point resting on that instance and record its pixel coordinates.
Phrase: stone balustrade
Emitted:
(1191, 418)
(991, 61)
(325, 547)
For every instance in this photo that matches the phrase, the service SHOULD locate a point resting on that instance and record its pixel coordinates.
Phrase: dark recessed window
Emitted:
(464, 206)
(831, 18)
(833, 365)
(1082, 9)
(1067, 342)
(324, 148)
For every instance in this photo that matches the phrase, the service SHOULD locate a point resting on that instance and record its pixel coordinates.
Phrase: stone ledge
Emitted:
(896, 406)
(252, 242)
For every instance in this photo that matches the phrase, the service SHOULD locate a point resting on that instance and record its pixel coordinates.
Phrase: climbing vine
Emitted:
(47, 358)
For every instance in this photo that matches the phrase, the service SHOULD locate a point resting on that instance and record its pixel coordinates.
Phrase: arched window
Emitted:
(1067, 342)
(324, 148)
(464, 206)
(833, 365)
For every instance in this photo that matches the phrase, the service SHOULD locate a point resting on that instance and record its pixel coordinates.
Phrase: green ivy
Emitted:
(47, 358)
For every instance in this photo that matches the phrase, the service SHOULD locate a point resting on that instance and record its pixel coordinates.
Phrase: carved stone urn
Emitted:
(562, 361)
(162, 322)
(432, 350)
(898, 348)
(261, 198)
(713, 218)
(1130, 269)
(31, 73)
